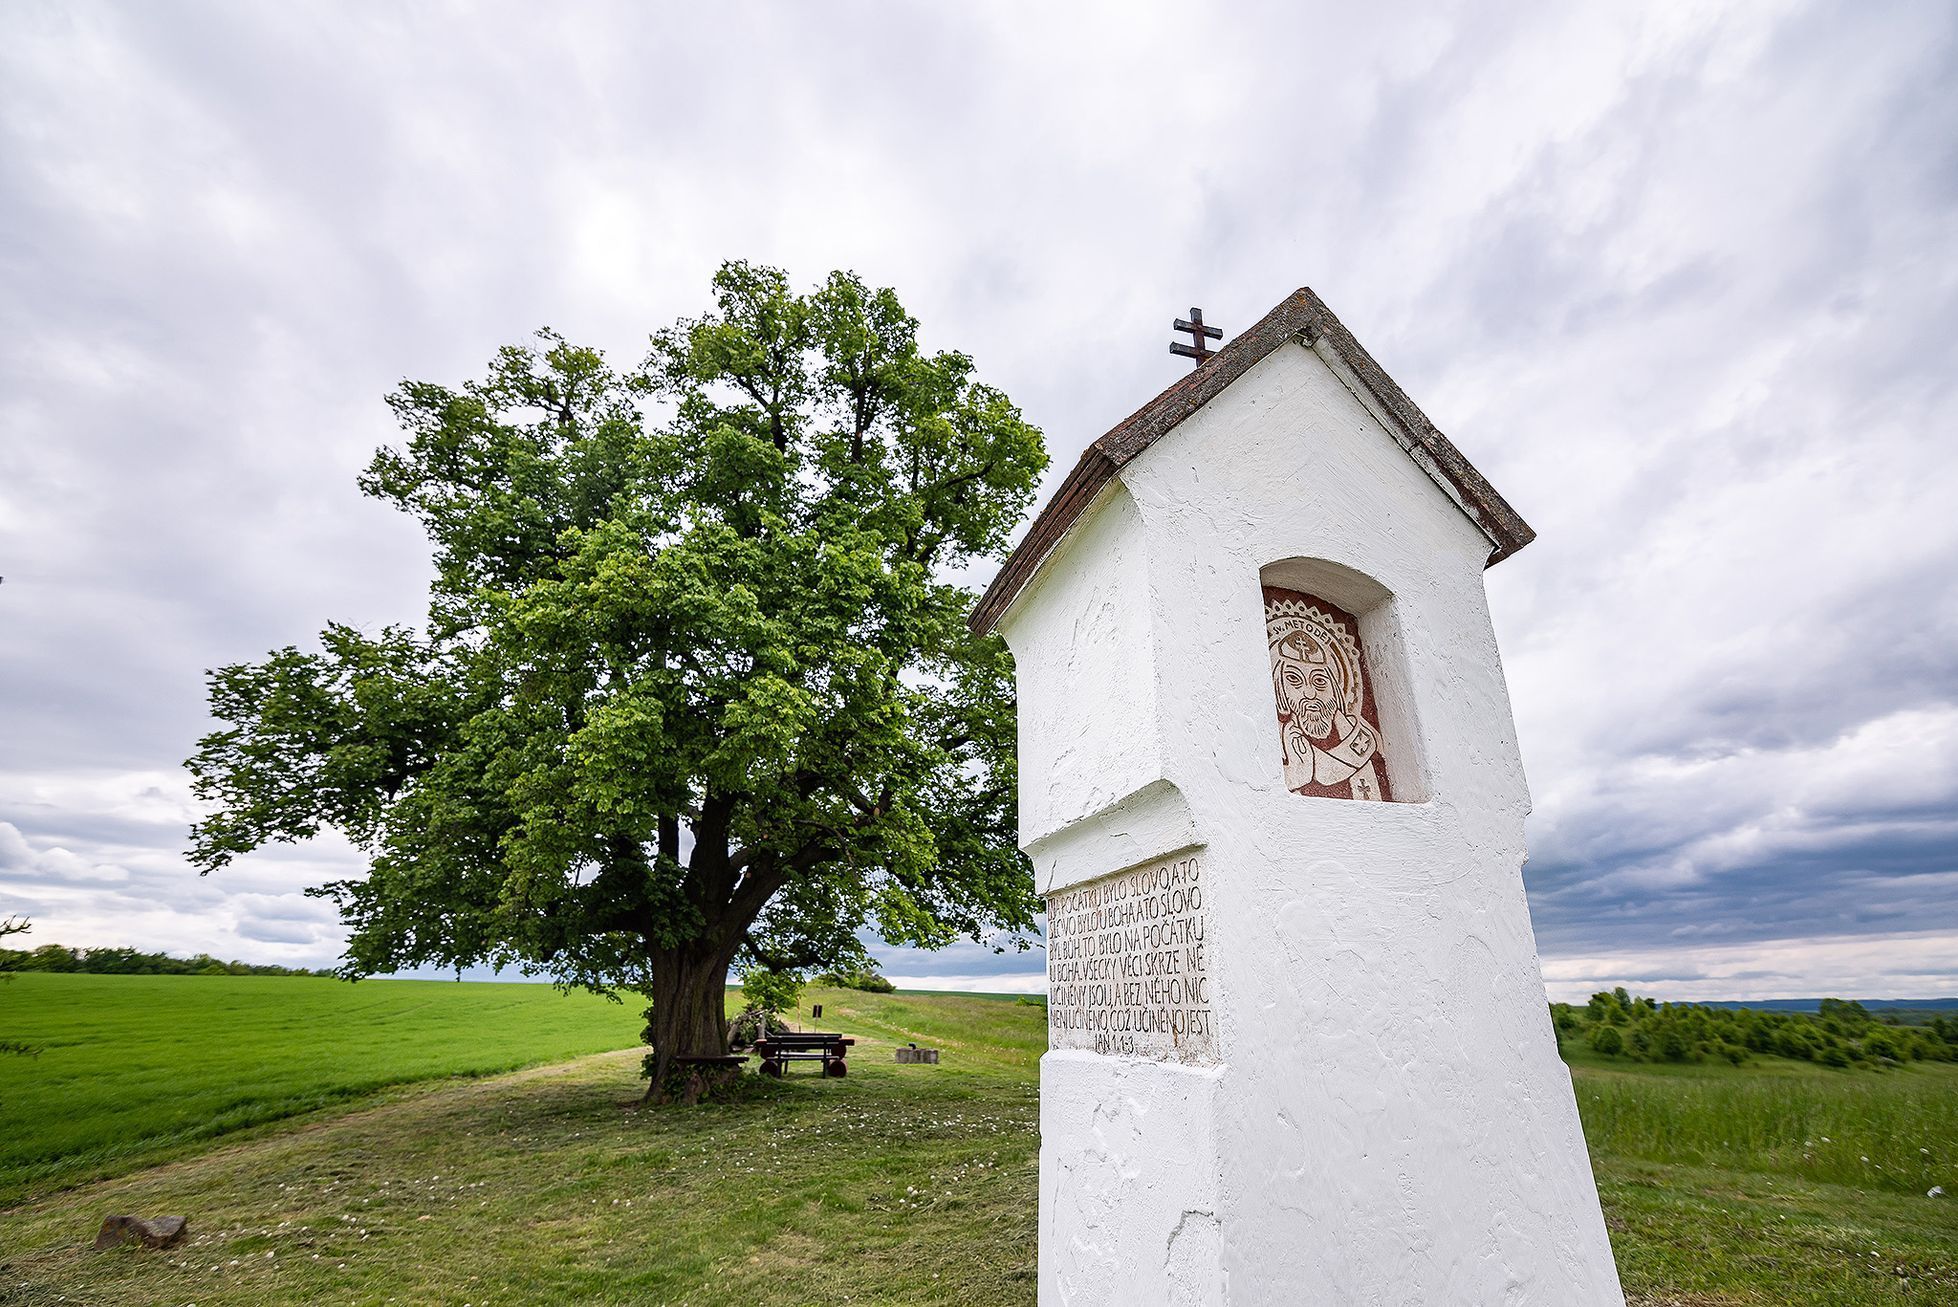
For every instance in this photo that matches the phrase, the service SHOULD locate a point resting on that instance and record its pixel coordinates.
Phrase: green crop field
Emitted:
(901, 1184)
(135, 1068)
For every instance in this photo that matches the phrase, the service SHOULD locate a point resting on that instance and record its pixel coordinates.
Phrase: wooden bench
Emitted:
(777, 1051)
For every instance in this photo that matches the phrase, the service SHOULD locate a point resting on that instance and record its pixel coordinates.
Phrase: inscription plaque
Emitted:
(1127, 971)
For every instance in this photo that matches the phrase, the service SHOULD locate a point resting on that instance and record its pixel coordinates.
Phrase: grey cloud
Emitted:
(961, 959)
(1672, 278)
(276, 932)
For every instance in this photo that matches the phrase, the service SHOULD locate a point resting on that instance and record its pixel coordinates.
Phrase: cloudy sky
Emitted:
(1679, 278)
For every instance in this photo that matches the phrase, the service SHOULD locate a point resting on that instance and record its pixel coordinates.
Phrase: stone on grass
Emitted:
(157, 1232)
(912, 1053)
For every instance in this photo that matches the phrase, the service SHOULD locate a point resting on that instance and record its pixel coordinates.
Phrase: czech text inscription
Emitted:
(1126, 965)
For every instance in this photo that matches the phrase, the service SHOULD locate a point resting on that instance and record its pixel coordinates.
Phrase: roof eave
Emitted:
(1303, 317)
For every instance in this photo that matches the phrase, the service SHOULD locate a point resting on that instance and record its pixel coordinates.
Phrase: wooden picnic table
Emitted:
(777, 1051)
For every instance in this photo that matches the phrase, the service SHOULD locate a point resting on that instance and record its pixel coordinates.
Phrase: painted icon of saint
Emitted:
(1327, 729)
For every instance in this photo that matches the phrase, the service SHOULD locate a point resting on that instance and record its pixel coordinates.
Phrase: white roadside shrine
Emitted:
(1270, 786)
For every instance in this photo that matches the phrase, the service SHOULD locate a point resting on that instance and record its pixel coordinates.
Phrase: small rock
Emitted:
(158, 1232)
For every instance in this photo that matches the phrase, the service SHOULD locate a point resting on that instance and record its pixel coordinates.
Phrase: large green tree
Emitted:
(695, 689)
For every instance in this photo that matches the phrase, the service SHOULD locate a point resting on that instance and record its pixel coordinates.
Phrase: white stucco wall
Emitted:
(1089, 725)
(1128, 1203)
(1388, 1120)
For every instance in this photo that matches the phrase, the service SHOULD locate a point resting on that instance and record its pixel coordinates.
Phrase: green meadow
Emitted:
(370, 1144)
(138, 1068)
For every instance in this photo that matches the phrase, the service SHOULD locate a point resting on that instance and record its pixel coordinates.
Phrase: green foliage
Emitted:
(1840, 1035)
(703, 597)
(867, 981)
(61, 959)
(770, 991)
(768, 994)
(751, 1024)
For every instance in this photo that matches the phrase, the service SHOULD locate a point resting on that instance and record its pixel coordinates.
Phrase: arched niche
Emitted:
(1323, 622)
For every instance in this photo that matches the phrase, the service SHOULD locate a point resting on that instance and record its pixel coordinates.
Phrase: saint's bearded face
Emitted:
(1311, 689)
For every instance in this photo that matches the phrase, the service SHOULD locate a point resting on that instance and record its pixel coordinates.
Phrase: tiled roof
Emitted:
(1302, 317)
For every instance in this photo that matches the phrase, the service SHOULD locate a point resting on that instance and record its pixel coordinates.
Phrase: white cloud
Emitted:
(21, 864)
(1918, 964)
(1006, 983)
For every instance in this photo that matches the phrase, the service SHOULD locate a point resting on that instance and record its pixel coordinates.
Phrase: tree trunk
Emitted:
(688, 1016)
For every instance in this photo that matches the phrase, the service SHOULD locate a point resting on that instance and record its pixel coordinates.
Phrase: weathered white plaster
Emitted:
(1088, 725)
(1129, 1208)
(1388, 1121)
(1139, 826)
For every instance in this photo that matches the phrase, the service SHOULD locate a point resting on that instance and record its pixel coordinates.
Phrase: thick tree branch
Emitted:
(936, 488)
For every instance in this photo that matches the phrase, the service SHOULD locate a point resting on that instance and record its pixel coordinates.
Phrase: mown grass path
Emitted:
(899, 1184)
(919, 1184)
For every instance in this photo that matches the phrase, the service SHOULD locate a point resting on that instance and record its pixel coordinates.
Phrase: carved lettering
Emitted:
(1125, 965)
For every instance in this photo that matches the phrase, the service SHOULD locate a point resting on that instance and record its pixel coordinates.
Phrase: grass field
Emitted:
(136, 1068)
(1777, 1182)
(898, 1184)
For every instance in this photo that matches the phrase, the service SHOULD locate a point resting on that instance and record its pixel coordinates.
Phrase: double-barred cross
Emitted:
(1199, 332)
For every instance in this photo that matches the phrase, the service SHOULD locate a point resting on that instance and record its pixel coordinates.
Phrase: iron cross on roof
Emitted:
(1198, 332)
